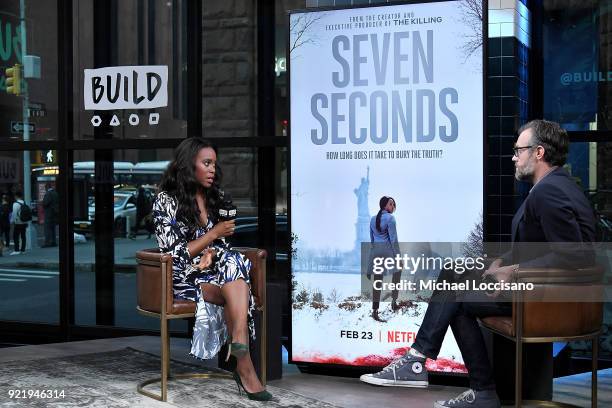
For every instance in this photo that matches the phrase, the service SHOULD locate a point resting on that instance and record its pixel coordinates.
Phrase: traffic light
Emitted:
(13, 80)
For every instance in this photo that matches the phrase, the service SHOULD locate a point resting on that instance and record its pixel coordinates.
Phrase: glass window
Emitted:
(130, 174)
(28, 49)
(281, 83)
(133, 177)
(281, 254)
(138, 33)
(239, 170)
(587, 163)
(576, 64)
(229, 75)
(29, 262)
(132, 203)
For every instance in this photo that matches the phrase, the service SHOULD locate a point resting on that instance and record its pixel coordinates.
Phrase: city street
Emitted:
(29, 284)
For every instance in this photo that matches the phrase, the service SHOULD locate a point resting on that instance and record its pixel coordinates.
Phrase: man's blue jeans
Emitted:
(459, 310)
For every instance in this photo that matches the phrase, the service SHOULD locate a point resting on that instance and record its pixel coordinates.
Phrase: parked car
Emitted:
(124, 209)
(150, 191)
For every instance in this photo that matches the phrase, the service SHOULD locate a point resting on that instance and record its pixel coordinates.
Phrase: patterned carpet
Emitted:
(109, 379)
(576, 389)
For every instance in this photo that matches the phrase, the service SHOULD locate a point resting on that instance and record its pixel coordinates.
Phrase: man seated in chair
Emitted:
(555, 211)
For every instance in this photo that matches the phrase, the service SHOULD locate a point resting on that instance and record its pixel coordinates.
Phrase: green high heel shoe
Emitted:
(255, 396)
(237, 350)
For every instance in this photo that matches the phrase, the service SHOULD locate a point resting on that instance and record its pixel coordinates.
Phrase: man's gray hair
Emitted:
(552, 137)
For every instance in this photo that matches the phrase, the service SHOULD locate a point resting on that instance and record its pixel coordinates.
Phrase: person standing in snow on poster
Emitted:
(383, 236)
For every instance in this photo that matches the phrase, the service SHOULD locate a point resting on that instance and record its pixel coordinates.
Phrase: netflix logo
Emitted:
(395, 336)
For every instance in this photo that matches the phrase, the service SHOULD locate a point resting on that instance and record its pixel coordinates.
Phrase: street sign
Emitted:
(36, 110)
(18, 127)
(9, 169)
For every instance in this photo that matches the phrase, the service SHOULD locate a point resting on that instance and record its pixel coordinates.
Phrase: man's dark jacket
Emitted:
(557, 212)
(51, 206)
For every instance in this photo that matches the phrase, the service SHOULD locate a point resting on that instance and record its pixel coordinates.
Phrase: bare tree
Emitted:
(294, 245)
(333, 296)
(473, 246)
(471, 16)
(300, 27)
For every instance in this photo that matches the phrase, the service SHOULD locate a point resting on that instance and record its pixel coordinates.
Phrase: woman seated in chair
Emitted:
(205, 269)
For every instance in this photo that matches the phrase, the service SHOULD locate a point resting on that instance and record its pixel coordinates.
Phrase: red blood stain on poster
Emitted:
(439, 365)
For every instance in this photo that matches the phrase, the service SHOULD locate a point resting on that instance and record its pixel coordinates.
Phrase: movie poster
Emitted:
(385, 101)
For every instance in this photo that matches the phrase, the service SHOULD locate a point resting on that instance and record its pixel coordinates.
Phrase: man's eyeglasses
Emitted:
(517, 149)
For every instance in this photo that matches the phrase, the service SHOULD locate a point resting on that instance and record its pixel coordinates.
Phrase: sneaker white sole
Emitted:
(366, 378)
(440, 404)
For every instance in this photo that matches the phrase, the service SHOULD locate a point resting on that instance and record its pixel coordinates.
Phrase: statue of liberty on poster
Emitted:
(362, 226)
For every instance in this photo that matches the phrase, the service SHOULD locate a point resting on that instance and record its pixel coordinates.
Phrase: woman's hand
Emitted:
(207, 258)
(220, 230)
(224, 228)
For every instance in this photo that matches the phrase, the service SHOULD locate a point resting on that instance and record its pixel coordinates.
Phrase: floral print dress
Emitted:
(210, 330)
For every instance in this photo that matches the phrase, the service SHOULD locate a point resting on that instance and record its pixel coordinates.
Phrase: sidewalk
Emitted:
(84, 255)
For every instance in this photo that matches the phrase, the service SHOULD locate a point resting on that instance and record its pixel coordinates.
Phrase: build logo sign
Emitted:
(126, 87)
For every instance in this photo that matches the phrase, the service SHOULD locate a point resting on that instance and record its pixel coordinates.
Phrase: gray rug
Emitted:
(109, 380)
(576, 389)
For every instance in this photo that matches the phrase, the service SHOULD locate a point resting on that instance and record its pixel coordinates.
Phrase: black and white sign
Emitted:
(36, 110)
(18, 127)
(9, 170)
(126, 87)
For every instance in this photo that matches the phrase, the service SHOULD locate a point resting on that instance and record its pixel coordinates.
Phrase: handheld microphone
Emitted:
(227, 210)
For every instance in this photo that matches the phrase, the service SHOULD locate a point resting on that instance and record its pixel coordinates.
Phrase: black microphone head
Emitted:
(227, 211)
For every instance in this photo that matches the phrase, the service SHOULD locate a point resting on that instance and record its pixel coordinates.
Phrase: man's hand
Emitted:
(499, 273)
(496, 263)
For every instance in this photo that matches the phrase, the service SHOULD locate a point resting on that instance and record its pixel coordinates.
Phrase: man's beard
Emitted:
(526, 172)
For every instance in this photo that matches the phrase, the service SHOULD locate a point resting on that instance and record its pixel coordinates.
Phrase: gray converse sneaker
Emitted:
(471, 399)
(407, 371)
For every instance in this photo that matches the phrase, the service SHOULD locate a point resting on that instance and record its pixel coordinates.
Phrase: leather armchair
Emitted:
(155, 298)
(565, 305)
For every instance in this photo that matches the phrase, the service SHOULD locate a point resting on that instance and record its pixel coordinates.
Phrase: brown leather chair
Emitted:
(553, 311)
(156, 299)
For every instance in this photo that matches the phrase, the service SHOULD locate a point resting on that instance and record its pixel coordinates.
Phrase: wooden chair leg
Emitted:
(518, 377)
(595, 356)
(165, 358)
(264, 345)
(169, 369)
